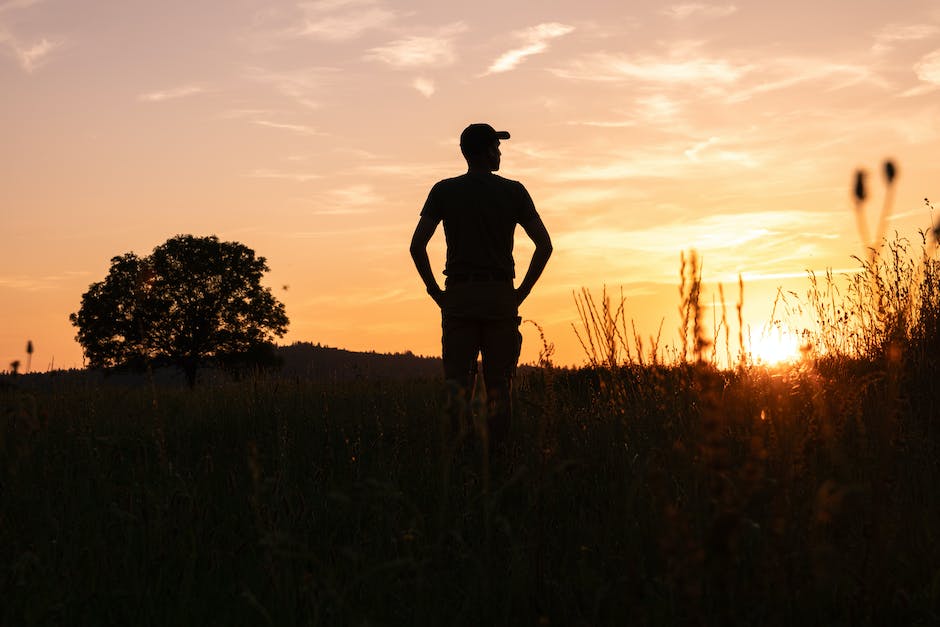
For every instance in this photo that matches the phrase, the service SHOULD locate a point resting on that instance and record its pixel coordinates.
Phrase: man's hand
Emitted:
(438, 295)
(537, 232)
(419, 253)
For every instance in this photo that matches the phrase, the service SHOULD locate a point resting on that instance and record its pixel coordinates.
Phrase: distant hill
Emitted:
(299, 360)
(318, 362)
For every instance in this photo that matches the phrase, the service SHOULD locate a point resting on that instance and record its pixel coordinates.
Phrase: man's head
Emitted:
(479, 144)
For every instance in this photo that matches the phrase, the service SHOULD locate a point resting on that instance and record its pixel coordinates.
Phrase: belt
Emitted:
(474, 277)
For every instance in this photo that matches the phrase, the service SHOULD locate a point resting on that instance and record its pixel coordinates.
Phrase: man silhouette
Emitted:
(480, 306)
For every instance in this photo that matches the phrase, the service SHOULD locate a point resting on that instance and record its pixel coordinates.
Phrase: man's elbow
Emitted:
(417, 249)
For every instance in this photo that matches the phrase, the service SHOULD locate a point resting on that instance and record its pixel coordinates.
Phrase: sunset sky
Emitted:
(312, 132)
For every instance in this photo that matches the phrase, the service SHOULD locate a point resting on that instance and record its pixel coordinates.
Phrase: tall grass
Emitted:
(810, 482)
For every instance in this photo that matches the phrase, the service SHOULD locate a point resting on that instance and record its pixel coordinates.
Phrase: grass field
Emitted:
(633, 494)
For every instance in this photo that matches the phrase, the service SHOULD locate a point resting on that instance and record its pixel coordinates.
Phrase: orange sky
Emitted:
(312, 131)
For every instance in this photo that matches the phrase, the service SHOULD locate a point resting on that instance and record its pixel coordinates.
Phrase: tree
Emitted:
(192, 300)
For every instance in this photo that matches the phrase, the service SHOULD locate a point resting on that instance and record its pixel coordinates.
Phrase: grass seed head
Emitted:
(890, 171)
(860, 186)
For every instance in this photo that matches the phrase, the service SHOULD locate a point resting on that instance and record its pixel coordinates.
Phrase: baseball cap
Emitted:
(480, 135)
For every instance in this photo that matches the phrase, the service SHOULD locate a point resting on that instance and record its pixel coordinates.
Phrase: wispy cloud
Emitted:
(344, 234)
(682, 67)
(727, 78)
(301, 85)
(535, 40)
(579, 195)
(352, 200)
(410, 171)
(171, 94)
(341, 20)
(33, 56)
(29, 56)
(928, 68)
(358, 297)
(692, 9)
(889, 36)
(301, 129)
(270, 119)
(676, 160)
(726, 240)
(784, 73)
(234, 114)
(39, 283)
(657, 109)
(704, 150)
(298, 177)
(436, 50)
(425, 86)
(11, 5)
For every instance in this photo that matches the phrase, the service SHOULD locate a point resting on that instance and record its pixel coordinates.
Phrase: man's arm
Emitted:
(543, 250)
(419, 253)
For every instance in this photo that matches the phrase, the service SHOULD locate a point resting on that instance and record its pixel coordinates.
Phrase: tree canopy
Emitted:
(191, 300)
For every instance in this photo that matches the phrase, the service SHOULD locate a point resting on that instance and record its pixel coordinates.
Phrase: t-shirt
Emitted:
(480, 212)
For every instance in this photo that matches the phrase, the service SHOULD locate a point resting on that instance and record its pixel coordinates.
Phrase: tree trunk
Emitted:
(190, 364)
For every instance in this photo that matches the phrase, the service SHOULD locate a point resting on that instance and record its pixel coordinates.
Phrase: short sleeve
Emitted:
(526, 207)
(432, 206)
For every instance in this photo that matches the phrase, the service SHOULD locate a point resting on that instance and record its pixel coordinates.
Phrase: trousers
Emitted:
(499, 342)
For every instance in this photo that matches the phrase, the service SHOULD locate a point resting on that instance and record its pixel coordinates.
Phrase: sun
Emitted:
(775, 346)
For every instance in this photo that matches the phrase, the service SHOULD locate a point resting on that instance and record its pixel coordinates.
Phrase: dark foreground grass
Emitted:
(639, 495)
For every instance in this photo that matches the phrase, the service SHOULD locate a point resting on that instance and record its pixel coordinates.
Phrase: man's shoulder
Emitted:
(501, 180)
(474, 179)
(449, 182)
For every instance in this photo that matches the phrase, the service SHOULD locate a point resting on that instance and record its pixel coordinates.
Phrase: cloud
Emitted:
(677, 160)
(299, 85)
(266, 118)
(535, 41)
(688, 66)
(678, 68)
(38, 283)
(425, 86)
(346, 234)
(358, 297)
(341, 20)
(233, 114)
(12, 5)
(684, 11)
(725, 240)
(653, 110)
(352, 200)
(783, 73)
(928, 68)
(624, 123)
(171, 94)
(36, 55)
(30, 57)
(420, 51)
(887, 37)
(299, 177)
(300, 129)
(695, 153)
(577, 196)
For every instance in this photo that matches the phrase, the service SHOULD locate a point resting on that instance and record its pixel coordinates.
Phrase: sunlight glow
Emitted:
(775, 346)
